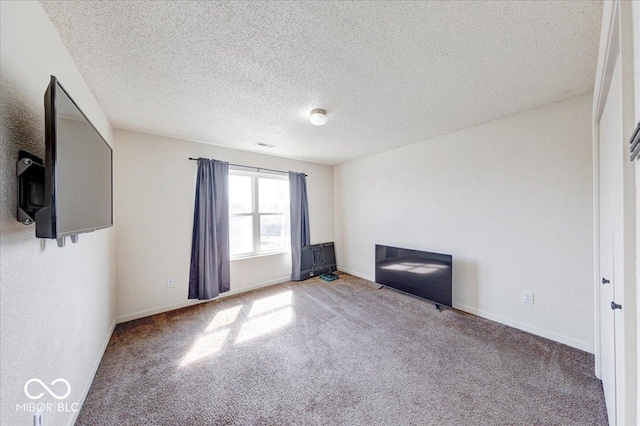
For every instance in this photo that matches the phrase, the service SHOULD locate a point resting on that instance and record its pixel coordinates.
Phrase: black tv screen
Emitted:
(78, 170)
(420, 273)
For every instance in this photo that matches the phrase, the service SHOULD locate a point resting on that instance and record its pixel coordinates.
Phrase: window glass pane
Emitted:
(240, 234)
(274, 232)
(274, 195)
(240, 194)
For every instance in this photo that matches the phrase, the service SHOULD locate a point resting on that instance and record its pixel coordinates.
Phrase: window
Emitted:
(259, 213)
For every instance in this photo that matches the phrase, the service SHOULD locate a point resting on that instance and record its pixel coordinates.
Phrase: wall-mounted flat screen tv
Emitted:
(78, 170)
(420, 273)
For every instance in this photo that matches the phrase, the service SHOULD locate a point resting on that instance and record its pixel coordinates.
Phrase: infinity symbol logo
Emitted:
(52, 393)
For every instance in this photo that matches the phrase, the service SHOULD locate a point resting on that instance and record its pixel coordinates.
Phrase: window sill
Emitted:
(253, 256)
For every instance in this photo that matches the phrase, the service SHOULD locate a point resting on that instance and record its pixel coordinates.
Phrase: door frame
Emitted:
(616, 38)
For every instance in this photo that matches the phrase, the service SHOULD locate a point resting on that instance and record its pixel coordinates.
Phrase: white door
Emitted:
(608, 170)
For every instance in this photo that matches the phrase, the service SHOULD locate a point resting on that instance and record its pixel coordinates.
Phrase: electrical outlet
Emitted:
(170, 283)
(527, 297)
(37, 419)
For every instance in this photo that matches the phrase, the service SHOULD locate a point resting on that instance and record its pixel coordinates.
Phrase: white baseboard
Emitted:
(94, 370)
(167, 308)
(529, 329)
(357, 274)
(496, 318)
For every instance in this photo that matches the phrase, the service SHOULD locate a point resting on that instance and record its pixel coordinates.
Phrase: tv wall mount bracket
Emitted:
(30, 172)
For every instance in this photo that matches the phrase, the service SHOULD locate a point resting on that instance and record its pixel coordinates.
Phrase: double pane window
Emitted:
(259, 213)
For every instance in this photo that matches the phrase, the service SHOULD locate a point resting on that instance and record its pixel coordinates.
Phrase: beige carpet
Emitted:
(341, 353)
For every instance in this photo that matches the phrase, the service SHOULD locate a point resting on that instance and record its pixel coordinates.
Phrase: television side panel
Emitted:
(45, 217)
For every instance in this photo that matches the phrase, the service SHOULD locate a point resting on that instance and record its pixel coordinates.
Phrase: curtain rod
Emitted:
(249, 167)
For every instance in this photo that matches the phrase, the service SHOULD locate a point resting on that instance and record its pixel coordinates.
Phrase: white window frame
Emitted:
(255, 213)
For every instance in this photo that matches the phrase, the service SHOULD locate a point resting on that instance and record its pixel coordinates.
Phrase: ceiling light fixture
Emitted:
(318, 117)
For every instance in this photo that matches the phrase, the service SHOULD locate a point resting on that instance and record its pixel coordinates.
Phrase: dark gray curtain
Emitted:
(209, 273)
(299, 219)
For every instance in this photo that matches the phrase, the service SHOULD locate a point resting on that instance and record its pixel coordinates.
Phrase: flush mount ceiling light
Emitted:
(318, 117)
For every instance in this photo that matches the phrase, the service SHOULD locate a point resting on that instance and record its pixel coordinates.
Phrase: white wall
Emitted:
(57, 305)
(636, 84)
(154, 193)
(510, 199)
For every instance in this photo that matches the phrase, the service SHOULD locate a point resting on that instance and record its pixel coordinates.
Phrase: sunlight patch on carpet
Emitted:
(265, 324)
(271, 303)
(205, 346)
(224, 317)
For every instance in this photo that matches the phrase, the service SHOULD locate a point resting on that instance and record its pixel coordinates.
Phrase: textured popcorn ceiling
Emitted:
(388, 73)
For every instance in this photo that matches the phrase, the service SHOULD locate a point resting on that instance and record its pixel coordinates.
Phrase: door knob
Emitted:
(615, 306)
(605, 281)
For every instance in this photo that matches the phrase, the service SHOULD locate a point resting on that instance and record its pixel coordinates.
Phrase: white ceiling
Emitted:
(388, 73)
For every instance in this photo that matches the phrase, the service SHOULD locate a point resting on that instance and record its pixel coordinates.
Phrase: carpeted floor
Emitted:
(342, 353)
